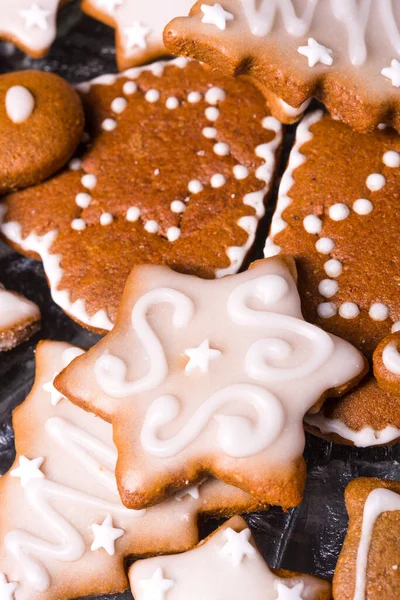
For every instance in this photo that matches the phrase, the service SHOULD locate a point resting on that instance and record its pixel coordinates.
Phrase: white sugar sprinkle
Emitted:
(217, 180)
(133, 214)
(375, 182)
(362, 206)
(210, 132)
(326, 310)
(391, 159)
(240, 172)
(339, 212)
(152, 96)
(75, 164)
(312, 224)
(106, 219)
(89, 181)
(325, 245)
(78, 224)
(83, 200)
(173, 233)
(172, 103)
(333, 267)
(177, 206)
(129, 88)
(109, 124)
(222, 149)
(118, 105)
(195, 186)
(194, 97)
(212, 113)
(152, 227)
(379, 311)
(349, 310)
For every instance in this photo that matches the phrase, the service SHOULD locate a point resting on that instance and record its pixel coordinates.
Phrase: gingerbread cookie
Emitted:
(346, 54)
(29, 25)
(41, 125)
(139, 26)
(177, 172)
(225, 565)
(343, 234)
(65, 533)
(186, 400)
(369, 563)
(19, 319)
(387, 364)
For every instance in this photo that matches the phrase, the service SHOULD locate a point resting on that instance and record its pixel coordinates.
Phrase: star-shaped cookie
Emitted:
(30, 25)
(225, 565)
(237, 412)
(345, 53)
(343, 233)
(177, 171)
(139, 26)
(64, 531)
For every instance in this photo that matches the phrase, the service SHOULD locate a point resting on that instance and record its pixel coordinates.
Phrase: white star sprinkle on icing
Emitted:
(56, 397)
(193, 492)
(216, 15)
(135, 35)
(105, 536)
(294, 593)
(238, 546)
(200, 357)
(393, 72)
(316, 53)
(35, 17)
(156, 587)
(7, 590)
(28, 470)
(109, 5)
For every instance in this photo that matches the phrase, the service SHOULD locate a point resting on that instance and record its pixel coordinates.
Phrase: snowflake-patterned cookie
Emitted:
(225, 565)
(255, 368)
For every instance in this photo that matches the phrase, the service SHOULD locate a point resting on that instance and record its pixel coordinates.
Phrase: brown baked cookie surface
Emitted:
(31, 26)
(187, 400)
(369, 563)
(19, 319)
(42, 122)
(336, 214)
(227, 564)
(64, 531)
(387, 364)
(345, 54)
(139, 26)
(177, 172)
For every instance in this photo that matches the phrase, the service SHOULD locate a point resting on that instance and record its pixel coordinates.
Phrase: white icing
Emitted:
(240, 172)
(173, 233)
(362, 206)
(316, 53)
(339, 212)
(349, 310)
(222, 149)
(379, 311)
(152, 226)
(391, 358)
(200, 357)
(215, 95)
(325, 245)
(105, 536)
(391, 159)
(83, 200)
(395, 327)
(135, 35)
(210, 132)
(216, 15)
(15, 310)
(156, 587)
(7, 589)
(212, 113)
(177, 206)
(365, 437)
(152, 96)
(129, 88)
(195, 186)
(78, 224)
(28, 470)
(133, 214)
(333, 267)
(326, 310)
(194, 97)
(89, 181)
(172, 103)
(237, 546)
(35, 16)
(19, 103)
(312, 224)
(393, 73)
(118, 105)
(111, 372)
(290, 593)
(296, 159)
(328, 288)
(375, 182)
(75, 164)
(217, 180)
(106, 219)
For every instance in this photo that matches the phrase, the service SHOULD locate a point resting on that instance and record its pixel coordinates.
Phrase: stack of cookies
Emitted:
(240, 301)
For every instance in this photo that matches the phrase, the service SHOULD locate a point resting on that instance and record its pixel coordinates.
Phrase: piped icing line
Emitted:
(378, 502)
(296, 159)
(364, 438)
(41, 244)
(265, 172)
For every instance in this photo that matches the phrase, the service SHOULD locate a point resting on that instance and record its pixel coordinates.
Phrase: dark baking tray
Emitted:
(307, 538)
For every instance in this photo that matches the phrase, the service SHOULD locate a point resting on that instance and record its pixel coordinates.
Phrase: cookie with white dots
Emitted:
(227, 564)
(177, 171)
(31, 26)
(19, 319)
(138, 26)
(336, 213)
(42, 122)
(345, 54)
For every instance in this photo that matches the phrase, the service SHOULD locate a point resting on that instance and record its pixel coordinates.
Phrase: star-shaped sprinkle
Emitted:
(135, 35)
(55, 395)
(216, 15)
(109, 5)
(7, 590)
(200, 357)
(316, 53)
(156, 587)
(28, 469)
(393, 72)
(192, 491)
(294, 593)
(237, 545)
(105, 536)
(35, 17)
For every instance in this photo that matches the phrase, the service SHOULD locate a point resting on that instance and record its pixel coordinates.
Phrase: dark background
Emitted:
(307, 538)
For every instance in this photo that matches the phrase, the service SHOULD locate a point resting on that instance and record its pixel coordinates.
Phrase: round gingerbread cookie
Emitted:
(387, 364)
(343, 52)
(177, 172)
(30, 25)
(42, 122)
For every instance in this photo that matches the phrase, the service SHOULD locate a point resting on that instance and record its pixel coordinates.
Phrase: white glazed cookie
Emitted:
(226, 565)
(29, 25)
(139, 26)
(345, 53)
(64, 531)
(186, 399)
(19, 319)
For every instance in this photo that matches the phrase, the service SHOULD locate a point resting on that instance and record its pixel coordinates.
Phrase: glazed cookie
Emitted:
(186, 400)
(225, 565)
(41, 120)
(343, 233)
(177, 172)
(387, 364)
(139, 26)
(19, 319)
(346, 54)
(29, 25)
(64, 531)
(369, 563)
